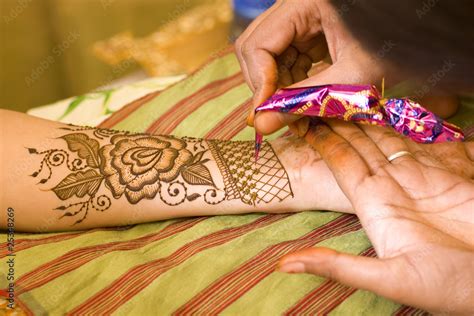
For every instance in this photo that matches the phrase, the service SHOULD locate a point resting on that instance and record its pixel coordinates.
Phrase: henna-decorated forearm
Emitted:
(86, 177)
(141, 166)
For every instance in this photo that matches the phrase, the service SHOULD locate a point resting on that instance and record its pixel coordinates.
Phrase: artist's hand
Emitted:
(418, 214)
(280, 47)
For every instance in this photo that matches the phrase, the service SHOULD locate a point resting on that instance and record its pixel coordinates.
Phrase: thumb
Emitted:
(267, 122)
(355, 271)
(263, 92)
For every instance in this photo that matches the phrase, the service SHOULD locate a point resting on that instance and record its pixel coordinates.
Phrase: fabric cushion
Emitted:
(203, 265)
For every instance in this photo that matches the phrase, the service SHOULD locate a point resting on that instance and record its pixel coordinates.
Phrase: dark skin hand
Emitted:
(417, 212)
(302, 43)
(281, 45)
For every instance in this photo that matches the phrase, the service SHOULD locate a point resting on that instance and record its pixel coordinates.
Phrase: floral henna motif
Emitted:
(137, 166)
(141, 166)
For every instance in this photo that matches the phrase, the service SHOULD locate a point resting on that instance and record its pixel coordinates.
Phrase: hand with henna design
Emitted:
(416, 211)
(80, 177)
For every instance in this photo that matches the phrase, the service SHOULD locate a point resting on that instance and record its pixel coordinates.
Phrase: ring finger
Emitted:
(390, 144)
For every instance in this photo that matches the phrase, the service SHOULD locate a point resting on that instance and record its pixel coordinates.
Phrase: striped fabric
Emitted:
(199, 266)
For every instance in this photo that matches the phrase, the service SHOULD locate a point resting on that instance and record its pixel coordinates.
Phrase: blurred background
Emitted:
(54, 49)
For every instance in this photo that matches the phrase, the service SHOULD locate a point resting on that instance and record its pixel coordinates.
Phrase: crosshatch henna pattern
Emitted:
(264, 180)
(143, 166)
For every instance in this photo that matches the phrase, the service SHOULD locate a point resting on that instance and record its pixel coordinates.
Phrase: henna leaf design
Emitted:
(196, 173)
(79, 184)
(198, 157)
(85, 147)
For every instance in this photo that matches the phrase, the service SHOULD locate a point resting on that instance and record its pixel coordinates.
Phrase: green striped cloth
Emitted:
(204, 265)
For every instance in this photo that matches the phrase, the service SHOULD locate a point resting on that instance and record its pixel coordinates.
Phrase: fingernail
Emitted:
(292, 267)
(293, 128)
(303, 126)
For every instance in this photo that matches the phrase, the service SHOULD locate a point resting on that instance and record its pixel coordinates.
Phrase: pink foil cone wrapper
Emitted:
(362, 104)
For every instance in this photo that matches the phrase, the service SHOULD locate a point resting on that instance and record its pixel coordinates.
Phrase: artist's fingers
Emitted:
(375, 275)
(300, 127)
(308, 52)
(442, 104)
(280, 29)
(366, 148)
(301, 67)
(343, 160)
(318, 49)
(285, 61)
(319, 67)
(388, 142)
(267, 122)
(293, 128)
(243, 38)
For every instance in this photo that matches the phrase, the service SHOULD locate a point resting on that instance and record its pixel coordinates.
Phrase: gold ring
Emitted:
(398, 155)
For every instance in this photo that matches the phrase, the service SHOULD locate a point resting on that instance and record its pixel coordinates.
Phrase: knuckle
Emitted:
(339, 149)
(422, 154)
(238, 43)
(333, 271)
(378, 164)
(356, 138)
(303, 61)
(319, 133)
(246, 48)
(388, 137)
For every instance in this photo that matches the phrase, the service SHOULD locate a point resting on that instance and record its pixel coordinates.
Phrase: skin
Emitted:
(418, 234)
(417, 213)
(302, 43)
(17, 165)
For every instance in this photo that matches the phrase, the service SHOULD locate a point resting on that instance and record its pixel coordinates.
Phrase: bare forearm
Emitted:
(61, 177)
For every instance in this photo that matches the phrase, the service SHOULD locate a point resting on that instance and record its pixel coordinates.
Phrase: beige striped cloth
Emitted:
(200, 266)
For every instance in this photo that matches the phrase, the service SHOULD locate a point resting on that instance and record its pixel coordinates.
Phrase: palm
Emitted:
(413, 204)
(417, 212)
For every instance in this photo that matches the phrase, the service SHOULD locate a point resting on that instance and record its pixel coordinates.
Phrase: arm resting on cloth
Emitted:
(64, 177)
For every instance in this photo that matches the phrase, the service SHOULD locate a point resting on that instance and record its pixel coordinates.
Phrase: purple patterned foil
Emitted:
(362, 104)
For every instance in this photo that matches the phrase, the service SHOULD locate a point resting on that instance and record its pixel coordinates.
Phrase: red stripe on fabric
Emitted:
(229, 288)
(252, 275)
(325, 297)
(223, 292)
(136, 279)
(166, 123)
(124, 112)
(232, 124)
(25, 243)
(326, 287)
(333, 290)
(78, 257)
(18, 302)
(128, 109)
(409, 311)
(230, 282)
